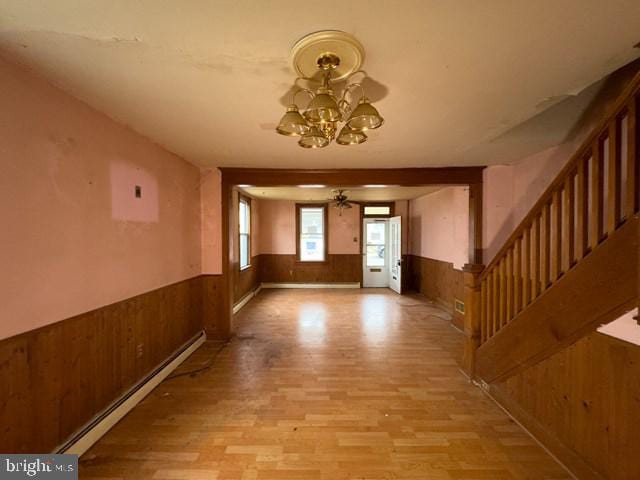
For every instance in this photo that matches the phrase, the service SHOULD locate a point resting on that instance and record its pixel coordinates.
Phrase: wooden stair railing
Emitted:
(591, 199)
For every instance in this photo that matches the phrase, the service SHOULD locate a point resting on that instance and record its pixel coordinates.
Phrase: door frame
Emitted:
(354, 177)
(387, 264)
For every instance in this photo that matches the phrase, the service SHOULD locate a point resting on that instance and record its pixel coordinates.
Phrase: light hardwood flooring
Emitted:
(323, 384)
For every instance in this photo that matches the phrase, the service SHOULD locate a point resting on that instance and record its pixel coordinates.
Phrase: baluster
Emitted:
(555, 253)
(613, 195)
(545, 242)
(509, 286)
(503, 289)
(483, 312)
(535, 258)
(596, 186)
(568, 224)
(526, 266)
(582, 197)
(517, 276)
(633, 168)
(496, 298)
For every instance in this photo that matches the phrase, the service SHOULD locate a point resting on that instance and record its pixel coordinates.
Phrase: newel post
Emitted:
(472, 309)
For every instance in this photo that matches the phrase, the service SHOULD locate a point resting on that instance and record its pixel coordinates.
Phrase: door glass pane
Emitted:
(375, 233)
(312, 234)
(375, 255)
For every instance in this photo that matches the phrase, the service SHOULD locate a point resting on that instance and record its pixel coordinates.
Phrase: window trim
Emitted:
(246, 200)
(325, 218)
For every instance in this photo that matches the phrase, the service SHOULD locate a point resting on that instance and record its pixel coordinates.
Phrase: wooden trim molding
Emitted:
(355, 177)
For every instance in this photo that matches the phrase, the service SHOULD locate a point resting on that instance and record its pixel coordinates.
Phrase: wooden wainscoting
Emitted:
(213, 315)
(583, 403)
(247, 280)
(438, 281)
(286, 269)
(58, 377)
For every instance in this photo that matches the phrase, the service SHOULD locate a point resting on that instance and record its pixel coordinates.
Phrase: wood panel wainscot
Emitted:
(439, 282)
(344, 268)
(583, 403)
(246, 280)
(56, 378)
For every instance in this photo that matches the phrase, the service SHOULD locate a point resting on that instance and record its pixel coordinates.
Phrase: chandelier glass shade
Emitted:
(328, 117)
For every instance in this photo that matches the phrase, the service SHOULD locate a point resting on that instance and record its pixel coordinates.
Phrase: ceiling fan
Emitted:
(341, 201)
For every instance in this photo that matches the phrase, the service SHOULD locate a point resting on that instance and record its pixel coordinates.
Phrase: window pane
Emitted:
(311, 220)
(375, 255)
(375, 233)
(372, 210)
(244, 250)
(244, 217)
(312, 234)
(311, 248)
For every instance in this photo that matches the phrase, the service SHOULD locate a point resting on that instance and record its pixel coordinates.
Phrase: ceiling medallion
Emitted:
(326, 58)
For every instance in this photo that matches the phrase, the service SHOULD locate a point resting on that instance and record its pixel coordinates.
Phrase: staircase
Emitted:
(531, 313)
(571, 264)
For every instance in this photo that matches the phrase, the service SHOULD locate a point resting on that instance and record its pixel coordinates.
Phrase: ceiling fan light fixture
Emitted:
(292, 124)
(314, 139)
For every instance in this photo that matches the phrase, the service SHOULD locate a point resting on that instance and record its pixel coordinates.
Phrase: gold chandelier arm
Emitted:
(300, 90)
(348, 88)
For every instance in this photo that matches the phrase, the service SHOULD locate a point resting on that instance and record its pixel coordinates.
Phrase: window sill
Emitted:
(246, 267)
(312, 262)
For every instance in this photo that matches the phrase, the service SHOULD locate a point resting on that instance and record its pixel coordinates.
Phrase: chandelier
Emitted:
(327, 58)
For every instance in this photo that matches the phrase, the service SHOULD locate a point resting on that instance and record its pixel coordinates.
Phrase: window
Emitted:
(244, 224)
(378, 210)
(311, 227)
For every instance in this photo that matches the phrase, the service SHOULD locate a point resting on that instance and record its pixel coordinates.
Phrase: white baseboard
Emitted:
(311, 285)
(91, 433)
(245, 299)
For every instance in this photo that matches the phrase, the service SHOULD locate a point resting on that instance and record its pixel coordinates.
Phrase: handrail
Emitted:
(591, 197)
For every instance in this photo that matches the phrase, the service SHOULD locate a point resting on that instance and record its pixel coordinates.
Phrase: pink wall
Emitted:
(278, 229)
(439, 226)
(74, 237)
(510, 192)
(211, 222)
(344, 231)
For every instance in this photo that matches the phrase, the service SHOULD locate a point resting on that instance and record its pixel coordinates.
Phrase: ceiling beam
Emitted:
(355, 177)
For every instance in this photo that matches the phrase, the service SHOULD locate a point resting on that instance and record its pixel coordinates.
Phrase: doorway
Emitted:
(375, 258)
(381, 255)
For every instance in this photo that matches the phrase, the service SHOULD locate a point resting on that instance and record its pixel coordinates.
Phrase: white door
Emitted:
(375, 258)
(395, 254)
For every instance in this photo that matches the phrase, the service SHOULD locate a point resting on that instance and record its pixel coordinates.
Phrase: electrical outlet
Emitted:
(139, 350)
(138, 191)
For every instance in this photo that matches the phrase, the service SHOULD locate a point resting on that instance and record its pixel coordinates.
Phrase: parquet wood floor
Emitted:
(323, 385)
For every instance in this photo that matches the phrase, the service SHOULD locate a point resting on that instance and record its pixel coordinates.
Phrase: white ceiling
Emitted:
(354, 193)
(206, 79)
